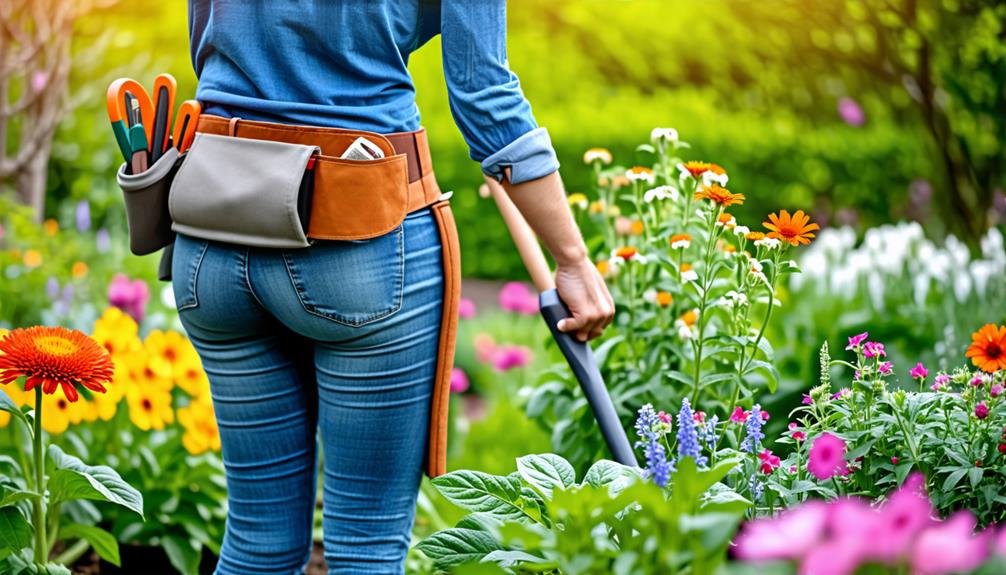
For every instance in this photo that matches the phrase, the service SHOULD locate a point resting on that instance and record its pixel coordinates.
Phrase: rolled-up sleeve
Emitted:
(485, 95)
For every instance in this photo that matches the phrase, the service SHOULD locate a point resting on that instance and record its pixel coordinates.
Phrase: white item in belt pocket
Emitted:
(362, 149)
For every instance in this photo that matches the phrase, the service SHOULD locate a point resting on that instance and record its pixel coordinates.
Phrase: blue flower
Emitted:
(688, 437)
(708, 433)
(657, 467)
(756, 487)
(752, 440)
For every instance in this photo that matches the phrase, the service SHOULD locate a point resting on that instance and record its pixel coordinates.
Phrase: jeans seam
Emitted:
(193, 277)
(246, 264)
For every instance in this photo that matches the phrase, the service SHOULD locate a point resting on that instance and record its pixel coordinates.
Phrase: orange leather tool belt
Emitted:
(354, 199)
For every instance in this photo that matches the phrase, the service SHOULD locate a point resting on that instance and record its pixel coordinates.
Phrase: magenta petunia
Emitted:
(873, 349)
(511, 356)
(466, 309)
(518, 297)
(950, 547)
(459, 381)
(790, 535)
(856, 340)
(827, 457)
(919, 371)
(885, 367)
(739, 415)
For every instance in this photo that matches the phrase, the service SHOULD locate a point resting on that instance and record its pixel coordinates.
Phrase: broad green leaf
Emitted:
(183, 553)
(73, 479)
(452, 547)
(604, 472)
(15, 532)
(975, 476)
(479, 522)
(546, 472)
(10, 496)
(953, 479)
(512, 558)
(722, 499)
(102, 541)
(477, 491)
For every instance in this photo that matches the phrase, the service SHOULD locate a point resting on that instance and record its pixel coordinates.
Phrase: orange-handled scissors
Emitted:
(185, 124)
(118, 114)
(165, 87)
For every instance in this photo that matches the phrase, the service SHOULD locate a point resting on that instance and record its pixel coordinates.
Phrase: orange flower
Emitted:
(626, 252)
(791, 229)
(32, 258)
(639, 173)
(664, 299)
(680, 241)
(754, 236)
(690, 317)
(988, 350)
(603, 267)
(719, 195)
(728, 220)
(717, 169)
(696, 168)
(51, 227)
(686, 267)
(79, 269)
(54, 357)
(637, 228)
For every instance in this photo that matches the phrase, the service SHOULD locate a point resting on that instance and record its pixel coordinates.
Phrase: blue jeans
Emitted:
(339, 337)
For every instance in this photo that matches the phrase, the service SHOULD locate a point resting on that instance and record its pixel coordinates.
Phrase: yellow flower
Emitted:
(603, 268)
(577, 200)
(32, 258)
(117, 332)
(189, 374)
(58, 413)
(51, 227)
(201, 431)
(165, 349)
(149, 406)
(637, 228)
(640, 174)
(596, 207)
(79, 269)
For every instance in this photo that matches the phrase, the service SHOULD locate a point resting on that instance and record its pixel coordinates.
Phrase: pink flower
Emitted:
(764, 415)
(665, 417)
(950, 547)
(807, 399)
(981, 410)
(459, 381)
(131, 296)
(39, 80)
(996, 390)
(518, 297)
(978, 380)
(885, 367)
(1000, 543)
(739, 415)
(699, 416)
(511, 356)
(856, 340)
(906, 512)
(841, 393)
(827, 457)
(466, 309)
(919, 371)
(769, 462)
(894, 460)
(873, 349)
(795, 433)
(485, 347)
(790, 535)
(851, 112)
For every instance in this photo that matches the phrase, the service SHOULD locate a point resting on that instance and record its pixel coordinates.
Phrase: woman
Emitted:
(357, 363)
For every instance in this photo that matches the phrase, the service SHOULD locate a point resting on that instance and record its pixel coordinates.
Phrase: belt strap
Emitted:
(423, 189)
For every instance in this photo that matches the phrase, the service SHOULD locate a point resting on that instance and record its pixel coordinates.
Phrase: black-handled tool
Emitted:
(581, 360)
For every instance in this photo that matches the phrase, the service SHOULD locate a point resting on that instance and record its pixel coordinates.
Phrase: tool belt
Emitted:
(282, 186)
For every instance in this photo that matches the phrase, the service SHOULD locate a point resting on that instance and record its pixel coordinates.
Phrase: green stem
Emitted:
(706, 285)
(41, 551)
(73, 552)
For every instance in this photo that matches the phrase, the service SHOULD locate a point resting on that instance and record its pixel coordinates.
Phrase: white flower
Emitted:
(756, 266)
(650, 295)
(710, 177)
(597, 154)
(684, 332)
(681, 241)
(689, 276)
(769, 243)
(665, 134)
(732, 222)
(640, 174)
(742, 231)
(660, 193)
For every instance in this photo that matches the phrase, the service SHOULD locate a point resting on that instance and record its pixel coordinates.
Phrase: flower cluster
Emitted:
(839, 537)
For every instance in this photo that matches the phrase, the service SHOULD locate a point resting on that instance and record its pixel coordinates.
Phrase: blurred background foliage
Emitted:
(860, 111)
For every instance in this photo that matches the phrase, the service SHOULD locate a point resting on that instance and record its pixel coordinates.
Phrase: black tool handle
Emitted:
(161, 127)
(581, 359)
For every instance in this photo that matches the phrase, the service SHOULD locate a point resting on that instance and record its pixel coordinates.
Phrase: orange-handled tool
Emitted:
(185, 124)
(165, 87)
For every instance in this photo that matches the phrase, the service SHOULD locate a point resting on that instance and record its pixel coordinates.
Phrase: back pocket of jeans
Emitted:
(185, 263)
(352, 282)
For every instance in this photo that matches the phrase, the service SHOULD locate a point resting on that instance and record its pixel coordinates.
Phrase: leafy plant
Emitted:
(541, 519)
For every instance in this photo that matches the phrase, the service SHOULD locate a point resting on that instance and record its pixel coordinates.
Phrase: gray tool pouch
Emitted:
(243, 191)
(146, 198)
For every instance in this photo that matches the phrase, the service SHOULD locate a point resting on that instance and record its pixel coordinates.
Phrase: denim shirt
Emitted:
(343, 63)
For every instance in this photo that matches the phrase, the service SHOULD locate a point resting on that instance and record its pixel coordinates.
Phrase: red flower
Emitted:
(769, 462)
(54, 357)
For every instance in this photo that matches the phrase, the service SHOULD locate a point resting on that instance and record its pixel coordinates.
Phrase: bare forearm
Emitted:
(543, 204)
